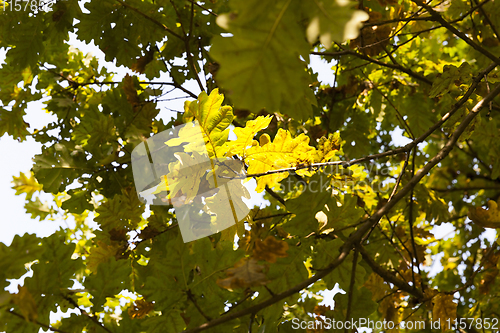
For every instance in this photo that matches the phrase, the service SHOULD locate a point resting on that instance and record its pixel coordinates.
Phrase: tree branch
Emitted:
(378, 62)
(459, 34)
(388, 276)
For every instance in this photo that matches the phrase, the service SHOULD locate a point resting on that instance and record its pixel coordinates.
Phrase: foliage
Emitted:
(350, 206)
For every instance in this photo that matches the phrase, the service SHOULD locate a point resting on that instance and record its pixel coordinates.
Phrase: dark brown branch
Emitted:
(208, 10)
(465, 188)
(272, 216)
(186, 39)
(426, 18)
(275, 195)
(175, 83)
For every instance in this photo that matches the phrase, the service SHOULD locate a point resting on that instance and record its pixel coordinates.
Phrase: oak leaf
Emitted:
(245, 273)
(130, 91)
(140, 309)
(26, 303)
(213, 118)
(23, 184)
(270, 249)
(283, 152)
(486, 218)
(99, 254)
(245, 135)
(444, 309)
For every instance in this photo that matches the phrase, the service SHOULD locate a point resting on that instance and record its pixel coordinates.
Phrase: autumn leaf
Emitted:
(140, 309)
(328, 147)
(245, 273)
(140, 65)
(130, 91)
(444, 309)
(486, 218)
(376, 285)
(283, 152)
(270, 249)
(23, 184)
(26, 303)
(246, 134)
(100, 254)
(213, 118)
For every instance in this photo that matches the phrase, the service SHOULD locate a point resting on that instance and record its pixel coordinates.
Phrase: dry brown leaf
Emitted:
(444, 308)
(270, 249)
(486, 218)
(130, 92)
(140, 309)
(245, 273)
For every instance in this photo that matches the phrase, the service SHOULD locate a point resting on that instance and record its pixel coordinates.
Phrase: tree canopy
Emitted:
(349, 206)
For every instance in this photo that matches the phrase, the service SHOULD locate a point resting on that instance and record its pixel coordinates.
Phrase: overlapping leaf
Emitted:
(213, 119)
(246, 134)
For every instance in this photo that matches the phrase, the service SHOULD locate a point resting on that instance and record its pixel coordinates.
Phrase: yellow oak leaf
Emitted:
(245, 273)
(23, 184)
(443, 309)
(270, 249)
(140, 309)
(283, 152)
(245, 136)
(213, 118)
(26, 303)
(486, 218)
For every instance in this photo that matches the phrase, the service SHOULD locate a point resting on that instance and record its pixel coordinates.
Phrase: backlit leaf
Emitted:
(486, 218)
